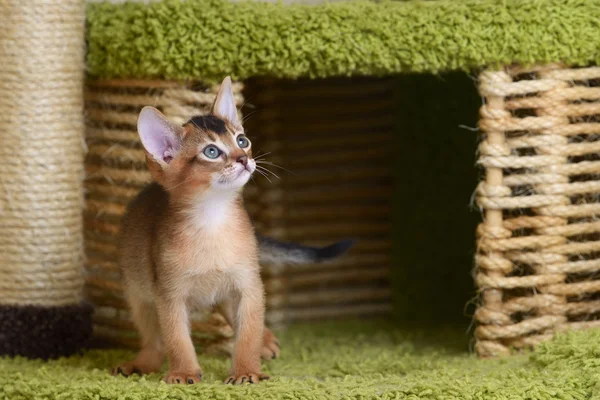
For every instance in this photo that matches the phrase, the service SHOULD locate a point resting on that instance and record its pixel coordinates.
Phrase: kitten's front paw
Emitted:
(250, 377)
(186, 378)
(270, 349)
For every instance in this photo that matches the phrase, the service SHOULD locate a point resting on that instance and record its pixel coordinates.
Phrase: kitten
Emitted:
(187, 241)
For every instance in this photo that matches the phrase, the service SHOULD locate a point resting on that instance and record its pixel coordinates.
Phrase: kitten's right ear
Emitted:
(224, 105)
(160, 138)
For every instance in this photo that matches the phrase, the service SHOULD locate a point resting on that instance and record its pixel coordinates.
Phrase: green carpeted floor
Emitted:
(344, 361)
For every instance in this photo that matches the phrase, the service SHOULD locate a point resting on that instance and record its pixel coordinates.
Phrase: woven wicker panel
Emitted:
(116, 172)
(539, 245)
(334, 138)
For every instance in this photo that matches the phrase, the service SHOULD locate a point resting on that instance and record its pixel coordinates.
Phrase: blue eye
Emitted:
(211, 151)
(242, 141)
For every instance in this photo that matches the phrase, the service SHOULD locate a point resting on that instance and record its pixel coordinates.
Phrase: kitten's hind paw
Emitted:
(126, 369)
(246, 378)
(185, 378)
(135, 367)
(270, 350)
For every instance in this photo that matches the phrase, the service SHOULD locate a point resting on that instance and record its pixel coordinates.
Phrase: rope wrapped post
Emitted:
(494, 264)
(539, 245)
(42, 313)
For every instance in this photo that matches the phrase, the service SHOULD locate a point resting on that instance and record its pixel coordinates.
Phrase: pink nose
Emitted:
(243, 160)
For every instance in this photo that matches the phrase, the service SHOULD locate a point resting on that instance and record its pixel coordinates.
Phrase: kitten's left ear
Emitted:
(224, 105)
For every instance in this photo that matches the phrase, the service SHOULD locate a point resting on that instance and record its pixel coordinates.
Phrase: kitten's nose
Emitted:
(243, 160)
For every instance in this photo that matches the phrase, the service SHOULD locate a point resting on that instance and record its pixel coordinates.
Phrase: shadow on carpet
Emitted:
(350, 360)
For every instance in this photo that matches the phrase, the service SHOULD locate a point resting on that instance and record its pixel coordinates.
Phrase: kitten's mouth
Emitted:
(248, 169)
(239, 177)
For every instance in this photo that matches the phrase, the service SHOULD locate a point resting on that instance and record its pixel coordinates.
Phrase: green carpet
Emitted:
(210, 38)
(348, 361)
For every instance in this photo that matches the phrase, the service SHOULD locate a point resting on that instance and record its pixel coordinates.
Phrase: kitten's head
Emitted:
(208, 152)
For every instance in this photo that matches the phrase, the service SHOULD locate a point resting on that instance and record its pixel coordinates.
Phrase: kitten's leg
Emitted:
(174, 324)
(270, 349)
(249, 307)
(151, 355)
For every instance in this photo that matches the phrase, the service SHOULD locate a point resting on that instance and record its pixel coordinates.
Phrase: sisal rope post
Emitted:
(495, 264)
(41, 173)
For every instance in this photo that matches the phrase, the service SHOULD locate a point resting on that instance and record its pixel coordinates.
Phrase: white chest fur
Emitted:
(212, 211)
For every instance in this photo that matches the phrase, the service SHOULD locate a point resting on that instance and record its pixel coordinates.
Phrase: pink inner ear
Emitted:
(163, 147)
(157, 136)
(168, 154)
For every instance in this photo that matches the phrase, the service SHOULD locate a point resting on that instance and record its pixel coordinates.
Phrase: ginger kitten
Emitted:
(187, 241)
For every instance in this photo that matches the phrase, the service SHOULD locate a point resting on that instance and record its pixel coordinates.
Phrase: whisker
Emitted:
(265, 175)
(270, 163)
(269, 171)
(247, 116)
(274, 165)
(258, 157)
(258, 170)
(243, 104)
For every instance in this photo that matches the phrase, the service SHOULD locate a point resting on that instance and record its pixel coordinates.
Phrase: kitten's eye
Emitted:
(211, 151)
(243, 142)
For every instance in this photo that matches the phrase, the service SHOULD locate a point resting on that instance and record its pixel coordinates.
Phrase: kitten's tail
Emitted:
(277, 252)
